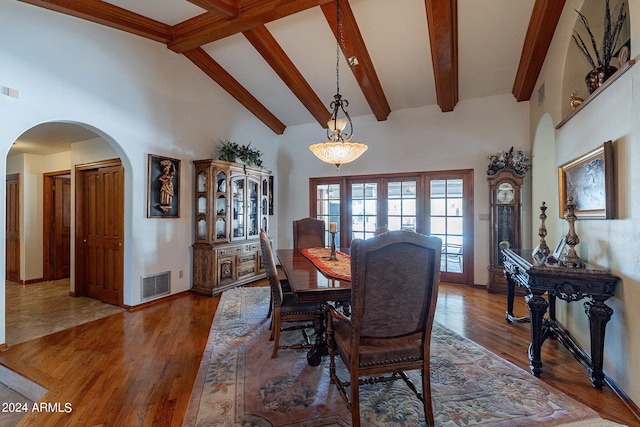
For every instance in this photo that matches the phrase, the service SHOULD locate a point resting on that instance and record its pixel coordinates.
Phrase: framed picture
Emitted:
(163, 187)
(271, 195)
(538, 256)
(561, 250)
(590, 180)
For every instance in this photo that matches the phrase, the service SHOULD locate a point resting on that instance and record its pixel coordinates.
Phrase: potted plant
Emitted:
(600, 59)
(228, 151)
(232, 152)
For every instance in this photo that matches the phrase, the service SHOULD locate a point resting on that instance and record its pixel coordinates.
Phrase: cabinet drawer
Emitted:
(229, 251)
(246, 271)
(246, 258)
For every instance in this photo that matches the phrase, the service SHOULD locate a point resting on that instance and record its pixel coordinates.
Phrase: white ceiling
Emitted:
(491, 34)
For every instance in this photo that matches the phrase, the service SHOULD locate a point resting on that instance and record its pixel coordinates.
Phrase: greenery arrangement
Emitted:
(517, 161)
(231, 151)
(609, 39)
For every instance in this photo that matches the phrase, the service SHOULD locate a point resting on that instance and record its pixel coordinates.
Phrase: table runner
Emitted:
(339, 269)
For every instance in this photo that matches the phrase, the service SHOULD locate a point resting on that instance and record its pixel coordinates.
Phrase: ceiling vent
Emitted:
(541, 94)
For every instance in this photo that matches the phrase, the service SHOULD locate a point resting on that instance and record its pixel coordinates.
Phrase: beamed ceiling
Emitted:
(277, 57)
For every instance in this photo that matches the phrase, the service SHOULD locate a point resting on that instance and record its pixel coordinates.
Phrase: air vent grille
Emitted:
(156, 285)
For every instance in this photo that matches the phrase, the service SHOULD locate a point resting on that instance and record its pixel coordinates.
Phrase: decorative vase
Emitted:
(596, 77)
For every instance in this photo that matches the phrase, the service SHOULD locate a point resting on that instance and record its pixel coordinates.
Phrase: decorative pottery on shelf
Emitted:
(599, 58)
(596, 77)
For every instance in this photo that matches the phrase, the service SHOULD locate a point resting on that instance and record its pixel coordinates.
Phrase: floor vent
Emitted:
(156, 285)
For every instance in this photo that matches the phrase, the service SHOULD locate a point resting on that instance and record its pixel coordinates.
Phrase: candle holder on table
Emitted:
(333, 256)
(572, 239)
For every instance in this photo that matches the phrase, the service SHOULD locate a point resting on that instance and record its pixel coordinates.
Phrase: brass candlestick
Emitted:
(571, 259)
(333, 256)
(542, 231)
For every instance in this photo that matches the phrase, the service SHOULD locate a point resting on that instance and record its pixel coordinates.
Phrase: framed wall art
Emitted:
(163, 187)
(590, 180)
(270, 194)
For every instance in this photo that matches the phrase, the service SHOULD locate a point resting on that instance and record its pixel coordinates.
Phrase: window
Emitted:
(446, 221)
(328, 207)
(364, 210)
(435, 203)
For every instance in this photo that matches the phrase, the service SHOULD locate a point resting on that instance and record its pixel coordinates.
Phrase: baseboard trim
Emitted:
(155, 301)
(30, 281)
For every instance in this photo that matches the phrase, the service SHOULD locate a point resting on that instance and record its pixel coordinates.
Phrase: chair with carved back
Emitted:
(285, 307)
(308, 233)
(284, 282)
(394, 288)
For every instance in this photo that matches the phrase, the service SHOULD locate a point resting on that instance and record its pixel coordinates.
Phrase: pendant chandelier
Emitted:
(338, 149)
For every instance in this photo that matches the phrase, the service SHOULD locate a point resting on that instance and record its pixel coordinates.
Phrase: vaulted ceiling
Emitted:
(278, 57)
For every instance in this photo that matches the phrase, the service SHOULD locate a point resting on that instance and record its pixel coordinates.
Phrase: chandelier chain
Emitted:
(339, 44)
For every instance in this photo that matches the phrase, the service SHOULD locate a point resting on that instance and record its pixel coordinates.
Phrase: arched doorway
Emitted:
(544, 176)
(45, 159)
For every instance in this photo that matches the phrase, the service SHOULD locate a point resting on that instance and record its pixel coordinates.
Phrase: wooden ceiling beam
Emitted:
(442, 20)
(211, 68)
(542, 26)
(272, 52)
(209, 27)
(112, 16)
(225, 8)
(354, 47)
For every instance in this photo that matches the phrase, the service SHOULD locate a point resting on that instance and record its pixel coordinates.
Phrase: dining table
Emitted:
(312, 280)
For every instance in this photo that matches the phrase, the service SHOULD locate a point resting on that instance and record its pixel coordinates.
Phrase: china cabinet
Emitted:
(231, 206)
(505, 217)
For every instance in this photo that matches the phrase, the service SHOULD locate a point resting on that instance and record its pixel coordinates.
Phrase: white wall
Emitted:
(607, 244)
(420, 139)
(140, 98)
(30, 168)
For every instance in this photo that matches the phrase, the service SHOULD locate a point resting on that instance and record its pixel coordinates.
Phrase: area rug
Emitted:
(240, 385)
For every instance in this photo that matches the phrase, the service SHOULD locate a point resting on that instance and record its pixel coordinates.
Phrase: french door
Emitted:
(434, 203)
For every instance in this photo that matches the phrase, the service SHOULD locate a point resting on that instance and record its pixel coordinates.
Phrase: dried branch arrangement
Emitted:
(609, 39)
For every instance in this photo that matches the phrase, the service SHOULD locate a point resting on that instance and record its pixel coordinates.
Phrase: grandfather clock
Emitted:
(505, 218)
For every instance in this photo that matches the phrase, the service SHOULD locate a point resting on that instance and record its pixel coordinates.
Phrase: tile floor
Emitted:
(39, 309)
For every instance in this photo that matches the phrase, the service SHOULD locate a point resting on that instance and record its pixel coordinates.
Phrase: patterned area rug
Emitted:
(240, 385)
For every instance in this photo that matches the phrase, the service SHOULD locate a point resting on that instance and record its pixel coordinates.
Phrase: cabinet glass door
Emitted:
(238, 208)
(221, 207)
(253, 205)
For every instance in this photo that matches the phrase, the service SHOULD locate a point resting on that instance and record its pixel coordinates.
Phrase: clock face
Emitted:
(505, 193)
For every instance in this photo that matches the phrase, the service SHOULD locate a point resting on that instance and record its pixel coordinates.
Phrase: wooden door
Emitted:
(57, 215)
(13, 228)
(100, 217)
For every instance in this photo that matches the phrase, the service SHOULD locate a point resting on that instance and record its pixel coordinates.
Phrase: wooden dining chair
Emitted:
(308, 233)
(394, 287)
(284, 304)
(284, 282)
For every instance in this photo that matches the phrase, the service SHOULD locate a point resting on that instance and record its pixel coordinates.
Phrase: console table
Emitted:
(568, 284)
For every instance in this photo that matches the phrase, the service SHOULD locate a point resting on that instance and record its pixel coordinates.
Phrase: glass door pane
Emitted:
(328, 208)
(364, 210)
(446, 221)
(238, 206)
(401, 205)
(251, 209)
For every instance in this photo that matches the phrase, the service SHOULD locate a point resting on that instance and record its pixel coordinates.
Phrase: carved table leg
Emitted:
(599, 314)
(319, 349)
(553, 323)
(537, 308)
(511, 291)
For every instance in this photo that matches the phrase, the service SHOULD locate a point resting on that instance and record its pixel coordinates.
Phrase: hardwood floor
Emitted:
(137, 368)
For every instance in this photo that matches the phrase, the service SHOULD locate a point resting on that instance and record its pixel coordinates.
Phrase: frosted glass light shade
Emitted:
(338, 153)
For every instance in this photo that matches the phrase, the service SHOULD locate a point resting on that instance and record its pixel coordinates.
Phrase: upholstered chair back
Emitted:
(308, 233)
